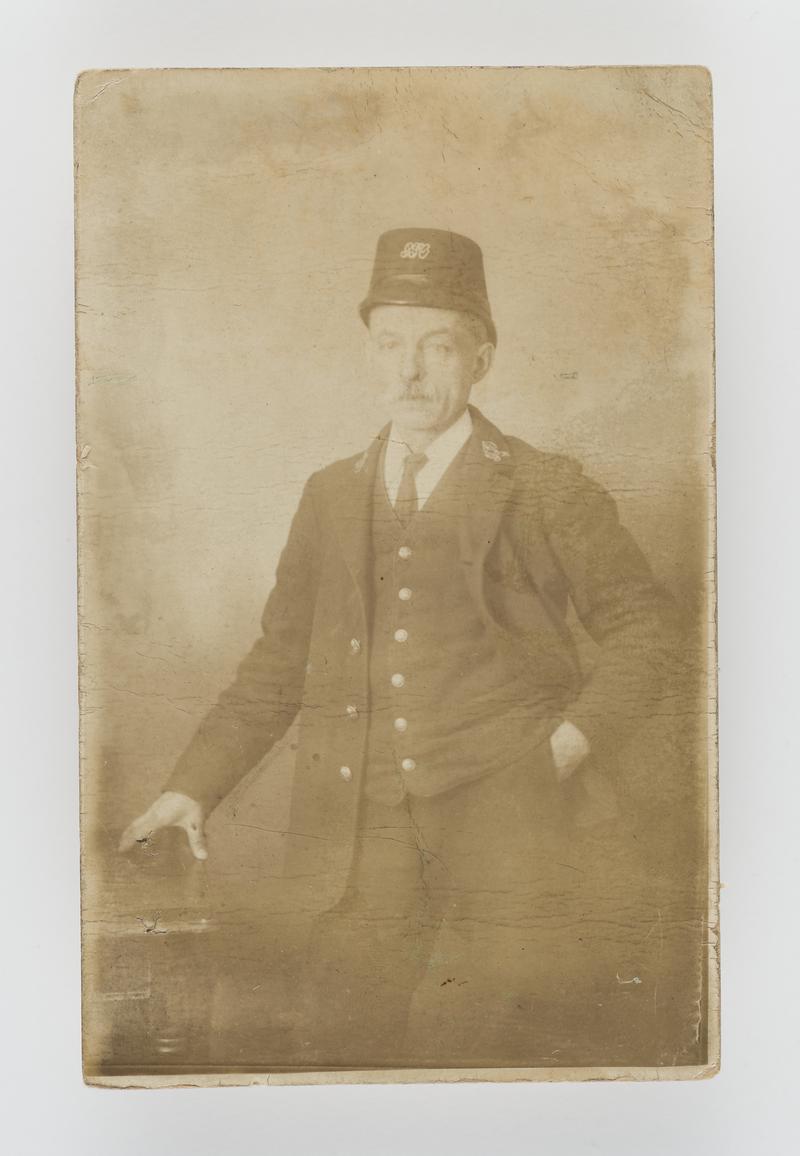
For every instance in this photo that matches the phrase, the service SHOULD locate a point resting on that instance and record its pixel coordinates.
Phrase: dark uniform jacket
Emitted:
(535, 535)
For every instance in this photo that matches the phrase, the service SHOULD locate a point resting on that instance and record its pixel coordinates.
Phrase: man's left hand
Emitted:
(570, 747)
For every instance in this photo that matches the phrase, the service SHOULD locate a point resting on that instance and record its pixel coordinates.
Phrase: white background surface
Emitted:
(752, 51)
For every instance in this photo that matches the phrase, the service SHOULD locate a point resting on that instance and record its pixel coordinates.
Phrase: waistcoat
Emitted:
(441, 684)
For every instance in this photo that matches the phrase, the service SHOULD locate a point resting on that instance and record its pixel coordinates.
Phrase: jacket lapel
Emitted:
(352, 512)
(489, 468)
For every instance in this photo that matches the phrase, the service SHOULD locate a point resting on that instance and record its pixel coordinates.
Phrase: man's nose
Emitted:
(410, 365)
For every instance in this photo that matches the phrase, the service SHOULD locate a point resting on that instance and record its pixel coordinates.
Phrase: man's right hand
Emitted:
(171, 809)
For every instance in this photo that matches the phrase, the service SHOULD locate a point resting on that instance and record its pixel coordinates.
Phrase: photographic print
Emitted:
(396, 574)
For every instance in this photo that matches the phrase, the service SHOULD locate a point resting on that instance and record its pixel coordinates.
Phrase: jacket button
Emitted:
(355, 646)
(404, 551)
(352, 711)
(404, 594)
(398, 680)
(346, 773)
(401, 725)
(408, 765)
(401, 635)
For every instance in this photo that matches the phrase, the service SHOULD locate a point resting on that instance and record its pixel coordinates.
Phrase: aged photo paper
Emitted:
(396, 574)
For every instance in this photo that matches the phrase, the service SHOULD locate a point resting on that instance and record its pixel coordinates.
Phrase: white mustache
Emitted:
(412, 395)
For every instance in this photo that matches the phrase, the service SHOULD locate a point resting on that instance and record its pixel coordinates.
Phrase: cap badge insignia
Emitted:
(420, 249)
(492, 451)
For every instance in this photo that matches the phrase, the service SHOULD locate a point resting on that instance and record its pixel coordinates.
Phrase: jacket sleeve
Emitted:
(257, 709)
(623, 609)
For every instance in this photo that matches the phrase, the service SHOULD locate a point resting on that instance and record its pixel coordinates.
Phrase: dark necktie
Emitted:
(406, 504)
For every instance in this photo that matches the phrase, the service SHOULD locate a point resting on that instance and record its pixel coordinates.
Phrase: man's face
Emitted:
(425, 361)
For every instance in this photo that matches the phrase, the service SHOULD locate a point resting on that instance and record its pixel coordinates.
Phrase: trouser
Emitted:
(479, 929)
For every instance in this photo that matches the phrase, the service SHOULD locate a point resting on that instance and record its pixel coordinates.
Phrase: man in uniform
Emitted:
(418, 625)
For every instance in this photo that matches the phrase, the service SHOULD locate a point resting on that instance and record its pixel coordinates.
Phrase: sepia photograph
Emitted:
(397, 601)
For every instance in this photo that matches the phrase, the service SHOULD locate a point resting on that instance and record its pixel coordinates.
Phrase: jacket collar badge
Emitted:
(492, 451)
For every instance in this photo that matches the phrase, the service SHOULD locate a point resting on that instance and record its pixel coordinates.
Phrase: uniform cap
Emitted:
(429, 267)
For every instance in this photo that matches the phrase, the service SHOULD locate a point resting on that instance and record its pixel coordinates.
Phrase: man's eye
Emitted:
(387, 345)
(441, 347)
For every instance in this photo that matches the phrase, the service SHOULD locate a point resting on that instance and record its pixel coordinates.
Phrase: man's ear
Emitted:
(484, 356)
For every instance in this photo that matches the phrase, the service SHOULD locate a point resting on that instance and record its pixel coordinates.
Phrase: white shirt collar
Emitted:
(440, 454)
